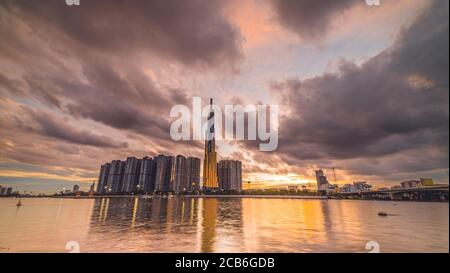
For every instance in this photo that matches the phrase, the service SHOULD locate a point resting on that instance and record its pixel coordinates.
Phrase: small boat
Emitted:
(382, 213)
(19, 203)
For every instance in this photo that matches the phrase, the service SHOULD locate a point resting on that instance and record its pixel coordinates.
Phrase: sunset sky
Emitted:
(362, 89)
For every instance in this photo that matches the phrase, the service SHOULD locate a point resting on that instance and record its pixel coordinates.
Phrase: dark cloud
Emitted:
(106, 87)
(55, 127)
(395, 102)
(310, 19)
(190, 32)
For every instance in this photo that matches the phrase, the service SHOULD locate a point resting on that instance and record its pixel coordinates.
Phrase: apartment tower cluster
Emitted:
(144, 175)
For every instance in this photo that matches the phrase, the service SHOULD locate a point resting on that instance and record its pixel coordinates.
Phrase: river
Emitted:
(125, 224)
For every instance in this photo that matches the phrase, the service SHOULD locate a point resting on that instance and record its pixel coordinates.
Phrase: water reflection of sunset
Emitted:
(221, 225)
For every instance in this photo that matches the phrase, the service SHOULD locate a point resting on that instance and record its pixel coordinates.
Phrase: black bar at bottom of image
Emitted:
(229, 262)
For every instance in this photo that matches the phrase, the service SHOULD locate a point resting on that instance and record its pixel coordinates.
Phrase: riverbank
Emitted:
(188, 196)
(364, 196)
(259, 196)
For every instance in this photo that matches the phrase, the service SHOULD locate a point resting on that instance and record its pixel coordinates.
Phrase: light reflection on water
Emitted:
(221, 225)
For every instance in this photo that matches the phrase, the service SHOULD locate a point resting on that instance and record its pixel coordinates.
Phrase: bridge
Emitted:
(429, 193)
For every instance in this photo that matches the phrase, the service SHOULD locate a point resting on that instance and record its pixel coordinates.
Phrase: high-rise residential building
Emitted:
(147, 175)
(103, 178)
(322, 182)
(193, 169)
(115, 178)
(210, 160)
(187, 174)
(76, 189)
(230, 175)
(131, 177)
(181, 174)
(165, 173)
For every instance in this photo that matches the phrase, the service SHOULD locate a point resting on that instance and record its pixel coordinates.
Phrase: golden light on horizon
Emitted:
(267, 180)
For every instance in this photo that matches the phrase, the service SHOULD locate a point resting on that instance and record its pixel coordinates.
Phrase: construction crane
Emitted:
(334, 174)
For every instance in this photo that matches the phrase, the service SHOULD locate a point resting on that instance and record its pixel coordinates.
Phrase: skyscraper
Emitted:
(115, 178)
(103, 178)
(193, 168)
(181, 174)
(165, 173)
(321, 179)
(230, 175)
(147, 175)
(187, 174)
(210, 160)
(131, 178)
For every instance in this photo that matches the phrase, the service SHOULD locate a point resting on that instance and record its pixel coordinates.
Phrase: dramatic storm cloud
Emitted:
(174, 29)
(311, 19)
(52, 126)
(83, 85)
(395, 102)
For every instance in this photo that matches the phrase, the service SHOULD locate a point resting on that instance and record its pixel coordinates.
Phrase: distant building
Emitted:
(426, 182)
(321, 179)
(91, 190)
(411, 184)
(348, 188)
(332, 188)
(115, 177)
(165, 173)
(1, 188)
(8, 190)
(292, 188)
(147, 175)
(103, 178)
(362, 186)
(76, 189)
(3, 191)
(230, 175)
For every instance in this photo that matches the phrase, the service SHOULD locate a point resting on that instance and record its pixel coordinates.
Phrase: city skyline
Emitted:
(362, 90)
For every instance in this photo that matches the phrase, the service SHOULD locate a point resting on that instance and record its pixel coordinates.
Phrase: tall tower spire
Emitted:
(210, 160)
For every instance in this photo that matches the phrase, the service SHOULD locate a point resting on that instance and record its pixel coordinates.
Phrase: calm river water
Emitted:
(125, 224)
